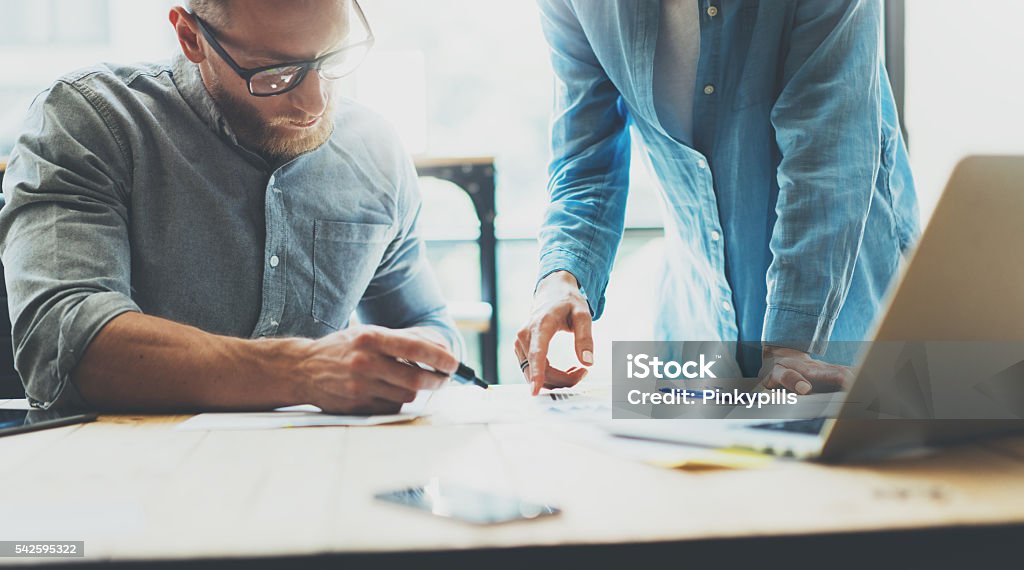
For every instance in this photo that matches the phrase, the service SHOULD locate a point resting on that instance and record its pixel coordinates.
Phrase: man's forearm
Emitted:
(145, 363)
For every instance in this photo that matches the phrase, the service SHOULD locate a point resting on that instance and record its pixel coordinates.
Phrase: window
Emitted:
(480, 73)
(964, 86)
(40, 40)
(473, 78)
(54, 22)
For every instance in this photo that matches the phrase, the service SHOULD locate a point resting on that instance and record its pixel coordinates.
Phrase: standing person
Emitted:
(773, 131)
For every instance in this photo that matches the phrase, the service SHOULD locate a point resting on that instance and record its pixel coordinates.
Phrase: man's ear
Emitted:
(188, 34)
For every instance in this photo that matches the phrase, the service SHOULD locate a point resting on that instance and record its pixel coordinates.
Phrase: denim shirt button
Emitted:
(274, 260)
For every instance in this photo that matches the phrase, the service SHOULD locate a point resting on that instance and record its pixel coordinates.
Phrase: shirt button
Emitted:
(727, 305)
(712, 11)
(715, 236)
(709, 89)
(274, 261)
(701, 164)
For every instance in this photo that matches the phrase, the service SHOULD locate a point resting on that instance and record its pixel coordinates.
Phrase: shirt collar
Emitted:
(190, 84)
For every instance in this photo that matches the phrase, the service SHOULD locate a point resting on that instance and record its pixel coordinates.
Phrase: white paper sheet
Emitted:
(284, 418)
(17, 404)
(461, 404)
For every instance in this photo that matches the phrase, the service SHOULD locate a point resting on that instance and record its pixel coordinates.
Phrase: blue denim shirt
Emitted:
(128, 191)
(786, 219)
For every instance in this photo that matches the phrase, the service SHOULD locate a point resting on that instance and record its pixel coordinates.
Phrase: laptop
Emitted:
(961, 288)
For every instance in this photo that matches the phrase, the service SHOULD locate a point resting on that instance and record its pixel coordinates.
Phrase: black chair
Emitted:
(477, 178)
(10, 382)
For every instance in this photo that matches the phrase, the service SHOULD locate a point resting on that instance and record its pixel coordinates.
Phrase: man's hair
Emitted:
(214, 12)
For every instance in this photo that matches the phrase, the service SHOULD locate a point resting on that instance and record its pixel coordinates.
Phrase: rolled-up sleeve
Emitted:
(404, 291)
(64, 238)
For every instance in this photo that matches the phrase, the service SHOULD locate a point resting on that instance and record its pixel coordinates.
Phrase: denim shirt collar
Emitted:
(190, 84)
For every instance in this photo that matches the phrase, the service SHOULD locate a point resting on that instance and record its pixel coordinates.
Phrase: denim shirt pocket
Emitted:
(346, 256)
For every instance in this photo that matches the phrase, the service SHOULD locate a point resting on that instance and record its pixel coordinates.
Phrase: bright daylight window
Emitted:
(964, 86)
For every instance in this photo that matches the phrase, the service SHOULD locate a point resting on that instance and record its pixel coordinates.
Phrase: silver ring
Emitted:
(524, 364)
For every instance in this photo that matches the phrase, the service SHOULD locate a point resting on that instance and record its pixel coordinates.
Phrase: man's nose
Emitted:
(312, 95)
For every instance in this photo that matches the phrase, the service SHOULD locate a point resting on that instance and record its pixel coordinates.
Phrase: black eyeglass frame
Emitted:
(248, 73)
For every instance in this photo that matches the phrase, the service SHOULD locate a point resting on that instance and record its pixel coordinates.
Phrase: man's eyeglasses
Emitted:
(281, 78)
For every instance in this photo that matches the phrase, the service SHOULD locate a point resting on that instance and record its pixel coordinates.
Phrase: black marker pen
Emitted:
(467, 375)
(463, 375)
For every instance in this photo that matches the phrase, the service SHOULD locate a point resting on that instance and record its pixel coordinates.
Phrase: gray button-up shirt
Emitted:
(129, 192)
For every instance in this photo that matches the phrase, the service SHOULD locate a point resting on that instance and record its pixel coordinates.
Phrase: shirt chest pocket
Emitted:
(345, 257)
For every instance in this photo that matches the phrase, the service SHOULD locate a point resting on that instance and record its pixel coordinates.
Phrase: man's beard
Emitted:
(264, 138)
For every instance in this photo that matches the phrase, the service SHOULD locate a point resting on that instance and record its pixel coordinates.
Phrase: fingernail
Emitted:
(803, 387)
(588, 357)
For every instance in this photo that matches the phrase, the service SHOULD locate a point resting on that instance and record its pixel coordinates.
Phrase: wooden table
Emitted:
(134, 488)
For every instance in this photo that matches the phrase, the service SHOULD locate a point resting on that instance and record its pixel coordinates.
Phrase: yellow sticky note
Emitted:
(726, 458)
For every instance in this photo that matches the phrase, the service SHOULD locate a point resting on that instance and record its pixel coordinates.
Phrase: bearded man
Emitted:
(196, 235)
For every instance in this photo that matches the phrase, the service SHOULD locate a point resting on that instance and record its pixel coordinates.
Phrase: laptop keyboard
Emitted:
(810, 427)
